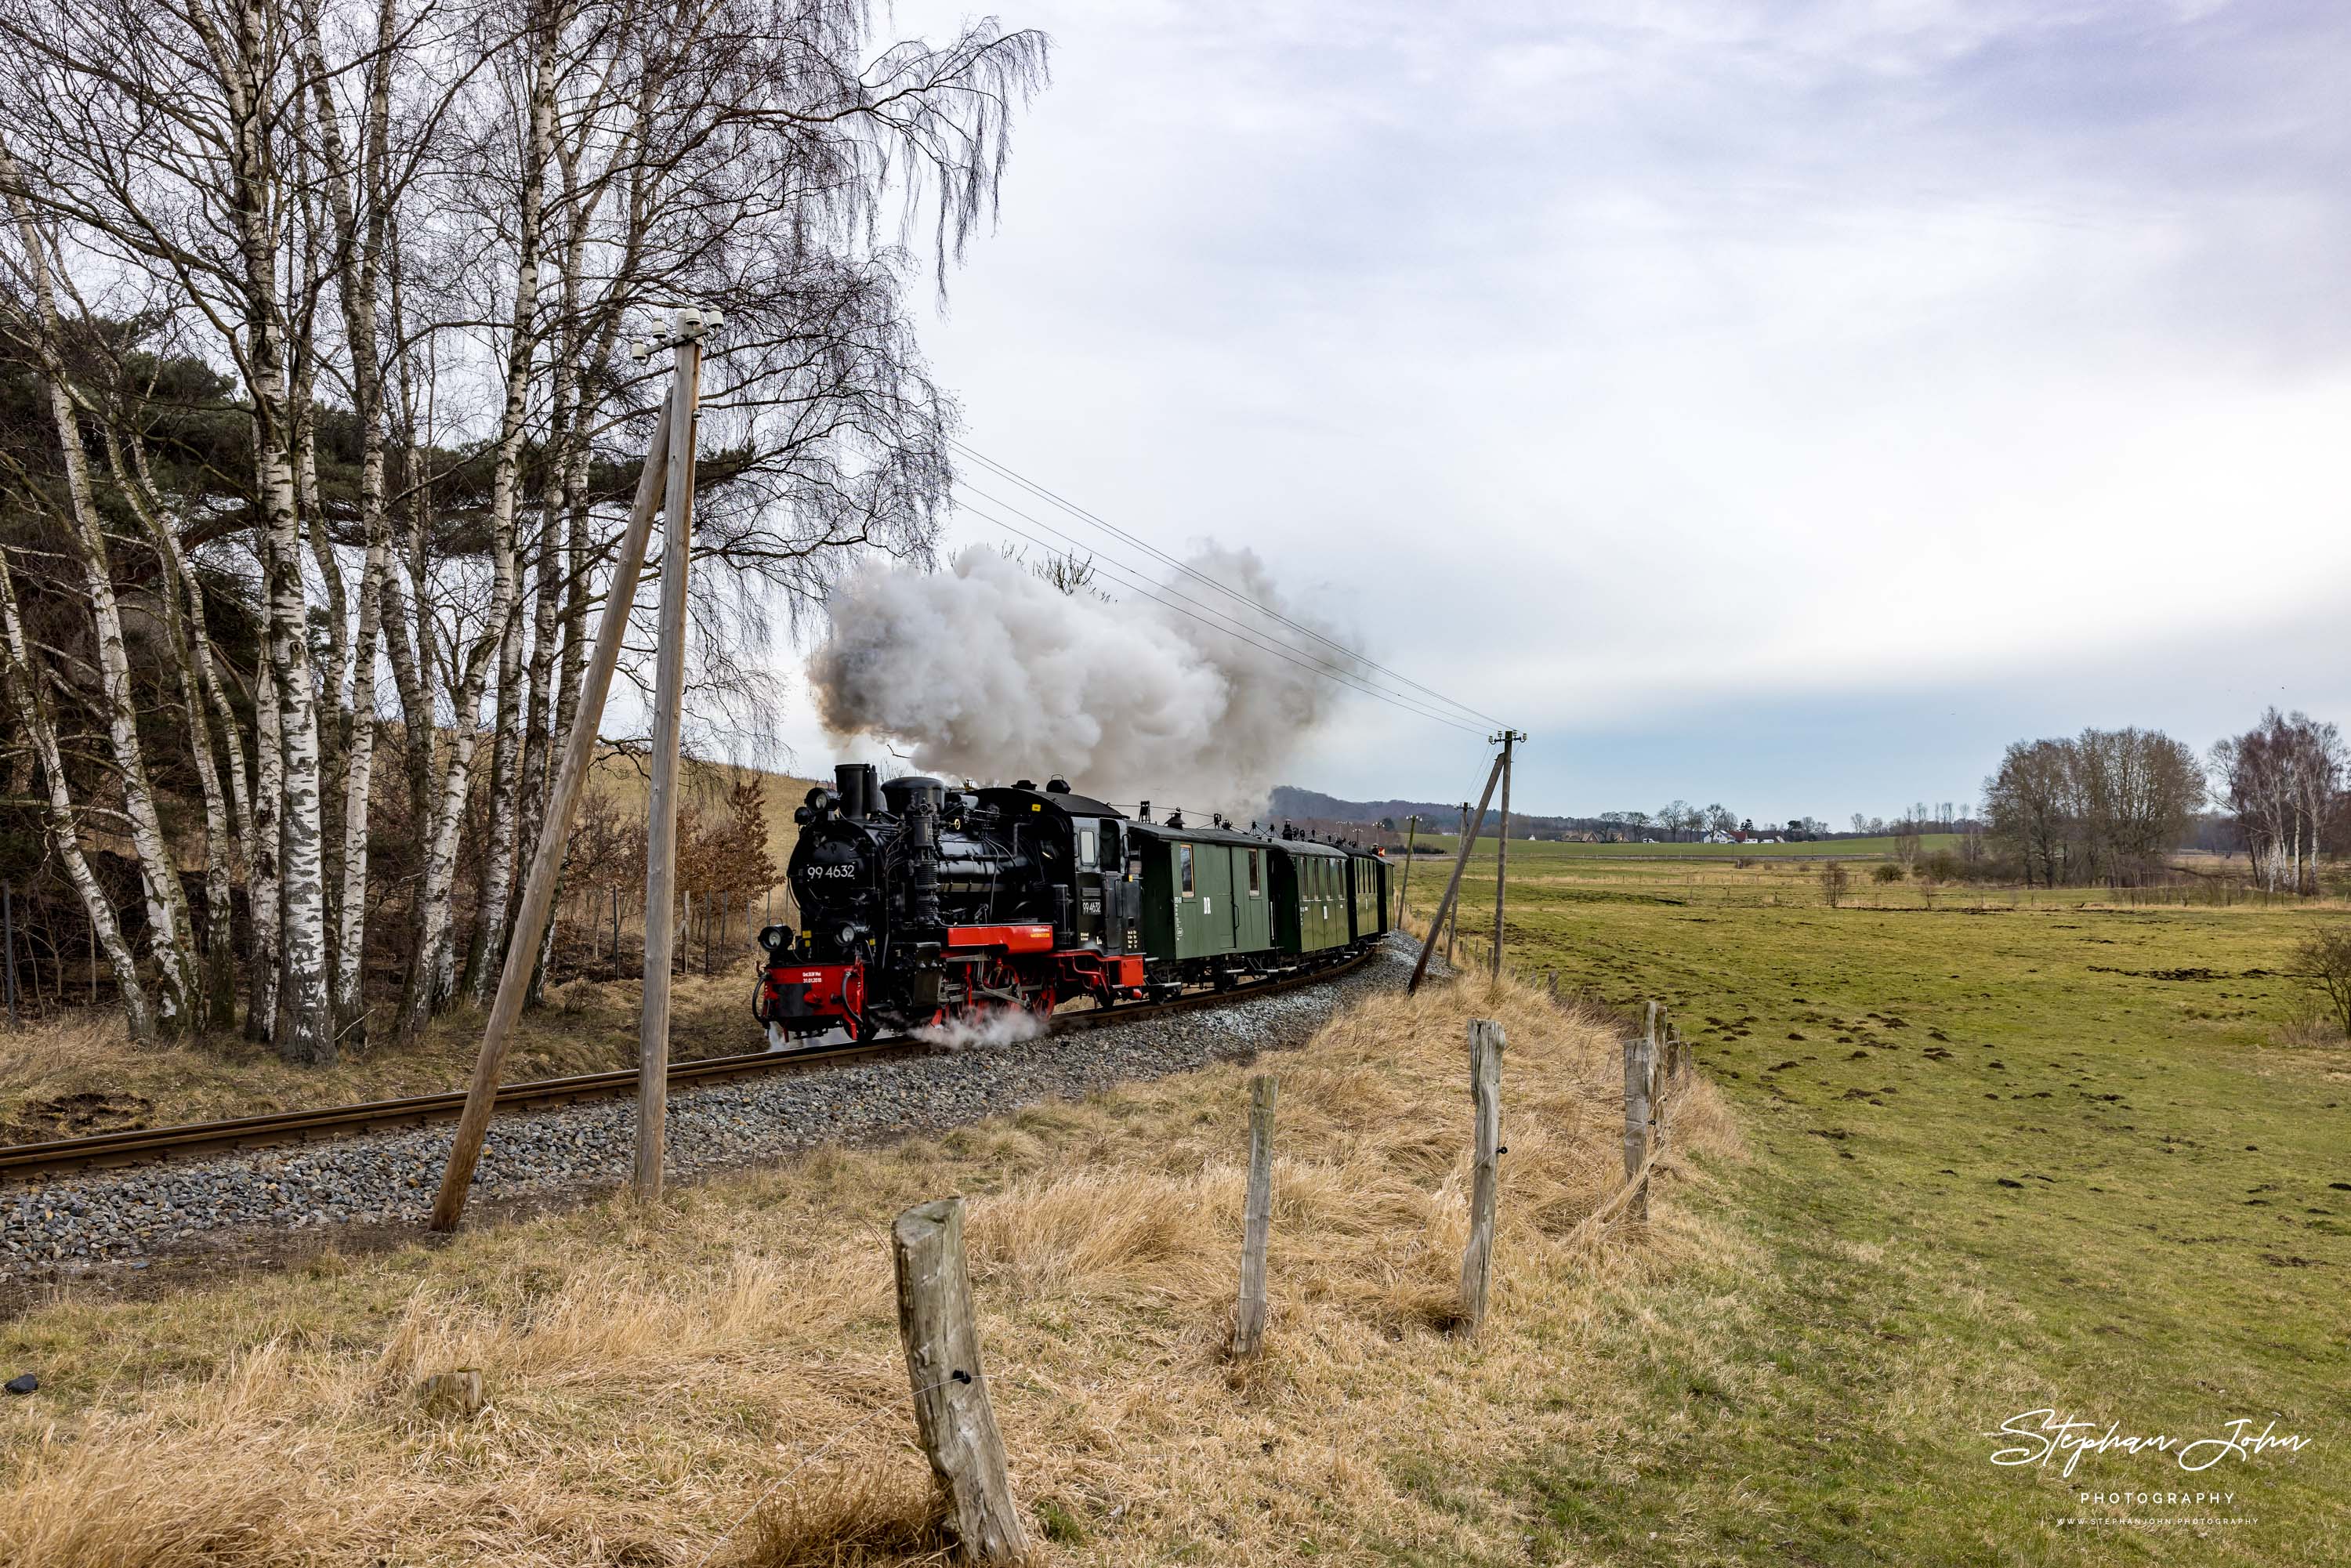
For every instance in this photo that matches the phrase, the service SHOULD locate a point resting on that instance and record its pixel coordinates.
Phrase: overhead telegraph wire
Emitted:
(1129, 574)
(1119, 574)
(1095, 520)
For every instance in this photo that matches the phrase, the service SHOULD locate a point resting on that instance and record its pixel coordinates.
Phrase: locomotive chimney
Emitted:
(1144, 814)
(853, 782)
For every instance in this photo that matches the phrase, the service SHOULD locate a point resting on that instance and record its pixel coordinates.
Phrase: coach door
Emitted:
(1085, 836)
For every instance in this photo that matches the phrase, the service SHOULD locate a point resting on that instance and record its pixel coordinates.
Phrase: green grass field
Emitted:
(2009, 1153)
(1819, 849)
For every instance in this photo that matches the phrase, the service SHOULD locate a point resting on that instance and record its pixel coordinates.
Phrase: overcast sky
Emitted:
(1779, 405)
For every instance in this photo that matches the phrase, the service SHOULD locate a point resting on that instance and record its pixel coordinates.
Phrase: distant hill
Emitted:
(1294, 804)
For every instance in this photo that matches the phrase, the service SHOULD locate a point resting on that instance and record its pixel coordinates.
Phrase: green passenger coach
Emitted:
(1309, 887)
(1217, 904)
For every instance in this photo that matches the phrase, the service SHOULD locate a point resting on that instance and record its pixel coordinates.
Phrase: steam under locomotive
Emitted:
(924, 904)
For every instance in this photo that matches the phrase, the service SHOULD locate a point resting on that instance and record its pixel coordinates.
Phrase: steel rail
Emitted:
(136, 1145)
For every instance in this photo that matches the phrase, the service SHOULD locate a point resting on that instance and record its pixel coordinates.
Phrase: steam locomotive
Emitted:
(922, 904)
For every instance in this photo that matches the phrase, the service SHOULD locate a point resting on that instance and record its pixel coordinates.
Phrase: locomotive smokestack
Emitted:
(853, 782)
(1144, 813)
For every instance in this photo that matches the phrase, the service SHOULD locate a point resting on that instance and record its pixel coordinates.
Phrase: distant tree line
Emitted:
(2281, 784)
(2114, 806)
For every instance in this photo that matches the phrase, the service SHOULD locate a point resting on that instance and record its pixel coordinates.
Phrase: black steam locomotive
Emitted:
(923, 904)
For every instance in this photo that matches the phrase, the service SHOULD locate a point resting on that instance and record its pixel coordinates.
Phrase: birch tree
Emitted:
(168, 922)
(414, 236)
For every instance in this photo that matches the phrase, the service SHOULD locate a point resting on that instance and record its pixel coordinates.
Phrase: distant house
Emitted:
(1719, 837)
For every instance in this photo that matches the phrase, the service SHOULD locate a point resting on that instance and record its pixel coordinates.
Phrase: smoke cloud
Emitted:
(987, 673)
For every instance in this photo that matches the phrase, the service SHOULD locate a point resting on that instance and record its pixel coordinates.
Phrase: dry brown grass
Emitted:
(725, 1378)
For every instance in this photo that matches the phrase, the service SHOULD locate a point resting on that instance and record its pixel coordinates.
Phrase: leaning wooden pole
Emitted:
(547, 860)
(661, 806)
(1453, 887)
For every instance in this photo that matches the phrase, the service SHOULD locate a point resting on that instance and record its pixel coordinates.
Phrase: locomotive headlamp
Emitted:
(849, 935)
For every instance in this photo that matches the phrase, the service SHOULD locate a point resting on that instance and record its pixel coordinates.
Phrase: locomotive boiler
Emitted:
(921, 903)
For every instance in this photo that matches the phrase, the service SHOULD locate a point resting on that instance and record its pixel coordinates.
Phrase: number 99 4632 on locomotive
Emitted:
(922, 904)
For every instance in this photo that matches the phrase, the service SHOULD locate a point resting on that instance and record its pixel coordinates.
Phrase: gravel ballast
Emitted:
(123, 1217)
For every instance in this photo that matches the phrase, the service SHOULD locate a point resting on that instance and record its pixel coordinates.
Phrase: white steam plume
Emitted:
(990, 1026)
(987, 673)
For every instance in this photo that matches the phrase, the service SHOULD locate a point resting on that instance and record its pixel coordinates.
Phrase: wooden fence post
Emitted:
(1640, 1056)
(456, 1393)
(1486, 1094)
(952, 1411)
(1248, 1317)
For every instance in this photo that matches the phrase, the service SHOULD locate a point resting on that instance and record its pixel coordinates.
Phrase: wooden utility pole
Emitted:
(953, 1414)
(1460, 864)
(547, 861)
(1411, 837)
(660, 806)
(1454, 930)
(1485, 1097)
(1502, 848)
(1256, 1221)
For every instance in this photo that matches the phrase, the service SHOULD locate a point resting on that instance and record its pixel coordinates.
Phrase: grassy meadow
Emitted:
(2010, 1151)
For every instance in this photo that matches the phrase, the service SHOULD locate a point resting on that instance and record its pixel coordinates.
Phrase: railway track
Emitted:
(145, 1145)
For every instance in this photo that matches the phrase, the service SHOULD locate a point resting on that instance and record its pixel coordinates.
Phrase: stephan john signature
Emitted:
(2048, 1434)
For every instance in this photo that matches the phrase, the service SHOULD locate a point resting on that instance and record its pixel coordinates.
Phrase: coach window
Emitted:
(1253, 882)
(1184, 861)
(1086, 848)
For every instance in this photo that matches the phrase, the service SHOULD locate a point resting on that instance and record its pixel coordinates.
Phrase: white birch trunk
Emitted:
(439, 873)
(358, 253)
(168, 922)
(262, 883)
(24, 684)
(483, 959)
(191, 654)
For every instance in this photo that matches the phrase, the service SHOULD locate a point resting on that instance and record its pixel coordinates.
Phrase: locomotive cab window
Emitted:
(1255, 887)
(1184, 864)
(1086, 848)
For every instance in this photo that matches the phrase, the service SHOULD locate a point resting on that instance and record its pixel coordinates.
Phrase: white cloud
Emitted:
(1604, 362)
